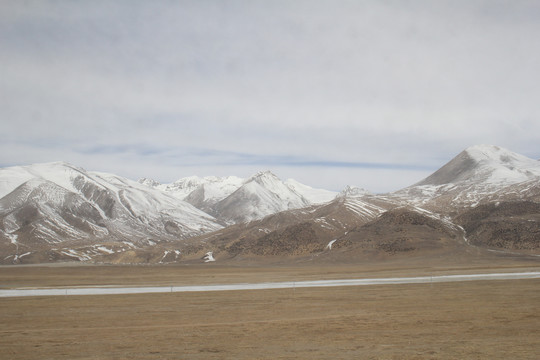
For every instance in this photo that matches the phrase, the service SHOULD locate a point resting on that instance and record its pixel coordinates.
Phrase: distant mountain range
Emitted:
(234, 200)
(485, 197)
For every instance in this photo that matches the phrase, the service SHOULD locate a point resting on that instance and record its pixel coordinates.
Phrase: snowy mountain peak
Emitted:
(262, 176)
(487, 164)
(52, 166)
(187, 182)
(478, 174)
(314, 196)
(353, 191)
(267, 180)
(260, 195)
(495, 154)
(60, 173)
(149, 182)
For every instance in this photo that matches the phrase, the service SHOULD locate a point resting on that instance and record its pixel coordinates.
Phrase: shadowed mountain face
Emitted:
(403, 231)
(299, 239)
(486, 197)
(506, 225)
(461, 168)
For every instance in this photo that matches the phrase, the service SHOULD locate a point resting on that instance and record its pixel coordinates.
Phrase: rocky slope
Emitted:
(485, 198)
(503, 225)
(59, 206)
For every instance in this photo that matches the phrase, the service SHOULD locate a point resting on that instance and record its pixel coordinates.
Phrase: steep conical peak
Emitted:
(485, 163)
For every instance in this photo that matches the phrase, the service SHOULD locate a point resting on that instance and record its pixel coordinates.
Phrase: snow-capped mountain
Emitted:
(58, 203)
(478, 174)
(260, 195)
(314, 196)
(211, 188)
(59, 212)
(203, 193)
(233, 199)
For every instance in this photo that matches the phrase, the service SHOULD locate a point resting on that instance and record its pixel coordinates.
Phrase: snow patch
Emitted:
(329, 246)
(12, 238)
(209, 257)
(105, 250)
(76, 254)
(165, 253)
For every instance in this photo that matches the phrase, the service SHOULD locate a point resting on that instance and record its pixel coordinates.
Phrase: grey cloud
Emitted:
(411, 82)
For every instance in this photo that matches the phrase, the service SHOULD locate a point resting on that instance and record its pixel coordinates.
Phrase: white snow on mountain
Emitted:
(362, 208)
(149, 182)
(314, 196)
(59, 173)
(329, 245)
(497, 165)
(486, 164)
(479, 173)
(57, 201)
(215, 188)
(209, 257)
(261, 195)
(141, 200)
(353, 191)
(271, 184)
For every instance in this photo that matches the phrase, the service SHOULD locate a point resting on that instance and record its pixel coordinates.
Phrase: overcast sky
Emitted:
(375, 94)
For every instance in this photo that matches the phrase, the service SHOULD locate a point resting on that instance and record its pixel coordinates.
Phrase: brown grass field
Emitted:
(466, 320)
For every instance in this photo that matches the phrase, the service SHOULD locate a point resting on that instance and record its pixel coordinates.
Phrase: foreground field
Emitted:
(472, 320)
(76, 274)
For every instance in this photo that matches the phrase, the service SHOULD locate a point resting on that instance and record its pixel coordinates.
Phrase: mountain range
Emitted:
(486, 197)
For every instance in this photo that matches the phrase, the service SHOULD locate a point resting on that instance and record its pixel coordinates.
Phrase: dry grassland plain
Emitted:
(464, 320)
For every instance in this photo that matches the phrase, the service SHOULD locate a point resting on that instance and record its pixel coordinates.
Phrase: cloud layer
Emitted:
(371, 93)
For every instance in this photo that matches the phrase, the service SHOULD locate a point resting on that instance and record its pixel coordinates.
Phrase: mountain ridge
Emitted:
(60, 212)
(56, 203)
(259, 195)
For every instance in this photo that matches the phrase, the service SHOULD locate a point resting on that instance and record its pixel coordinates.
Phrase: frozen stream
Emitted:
(114, 290)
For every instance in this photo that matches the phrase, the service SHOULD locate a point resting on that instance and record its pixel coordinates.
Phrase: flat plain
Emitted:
(497, 319)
